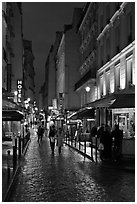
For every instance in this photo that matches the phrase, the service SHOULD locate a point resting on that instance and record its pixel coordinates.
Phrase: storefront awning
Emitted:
(123, 101)
(103, 102)
(88, 113)
(12, 115)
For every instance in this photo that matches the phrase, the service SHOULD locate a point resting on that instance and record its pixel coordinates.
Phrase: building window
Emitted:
(130, 72)
(101, 85)
(112, 82)
(117, 75)
(108, 82)
(122, 77)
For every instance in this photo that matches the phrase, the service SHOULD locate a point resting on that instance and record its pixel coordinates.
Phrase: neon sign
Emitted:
(19, 90)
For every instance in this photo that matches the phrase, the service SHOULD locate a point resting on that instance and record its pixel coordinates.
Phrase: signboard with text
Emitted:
(19, 90)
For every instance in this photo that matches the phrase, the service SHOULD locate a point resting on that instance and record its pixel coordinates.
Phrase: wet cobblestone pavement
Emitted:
(69, 177)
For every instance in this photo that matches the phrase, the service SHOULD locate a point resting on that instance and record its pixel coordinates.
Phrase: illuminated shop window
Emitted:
(122, 77)
(112, 80)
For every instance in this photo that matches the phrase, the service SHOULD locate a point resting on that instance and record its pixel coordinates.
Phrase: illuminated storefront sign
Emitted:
(19, 90)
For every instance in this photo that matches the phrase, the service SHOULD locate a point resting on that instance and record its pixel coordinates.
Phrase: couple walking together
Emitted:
(53, 135)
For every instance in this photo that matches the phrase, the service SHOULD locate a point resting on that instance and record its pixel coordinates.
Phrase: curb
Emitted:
(8, 192)
(126, 168)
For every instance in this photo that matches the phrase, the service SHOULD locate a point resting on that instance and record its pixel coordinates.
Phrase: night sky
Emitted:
(41, 20)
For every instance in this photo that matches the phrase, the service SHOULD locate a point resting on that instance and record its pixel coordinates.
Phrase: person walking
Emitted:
(42, 132)
(52, 134)
(39, 133)
(117, 136)
(101, 136)
(60, 139)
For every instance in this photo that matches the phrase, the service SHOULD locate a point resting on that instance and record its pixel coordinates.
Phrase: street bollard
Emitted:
(75, 142)
(19, 145)
(79, 145)
(91, 149)
(8, 166)
(96, 149)
(23, 144)
(15, 155)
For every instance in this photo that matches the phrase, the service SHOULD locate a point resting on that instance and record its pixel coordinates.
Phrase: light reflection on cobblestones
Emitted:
(69, 178)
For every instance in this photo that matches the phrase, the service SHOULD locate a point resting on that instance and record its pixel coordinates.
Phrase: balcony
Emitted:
(117, 14)
(89, 75)
(88, 38)
(88, 62)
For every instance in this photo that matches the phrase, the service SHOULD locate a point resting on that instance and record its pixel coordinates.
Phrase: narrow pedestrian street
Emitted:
(68, 177)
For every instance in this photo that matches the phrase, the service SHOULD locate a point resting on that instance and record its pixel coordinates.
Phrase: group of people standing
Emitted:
(111, 142)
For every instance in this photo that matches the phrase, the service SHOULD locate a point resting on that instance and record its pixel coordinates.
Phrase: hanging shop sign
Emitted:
(54, 103)
(19, 90)
(61, 102)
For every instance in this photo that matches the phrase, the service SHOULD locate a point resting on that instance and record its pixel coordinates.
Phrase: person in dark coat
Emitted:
(60, 139)
(100, 131)
(107, 143)
(93, 131)
(52, 134)
(40, 133)
(117, 134)
(101, 136)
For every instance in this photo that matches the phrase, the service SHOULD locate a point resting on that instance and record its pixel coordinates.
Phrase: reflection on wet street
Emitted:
(69, 177)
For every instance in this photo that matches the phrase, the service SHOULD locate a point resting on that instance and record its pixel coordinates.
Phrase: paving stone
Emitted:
(69, 177)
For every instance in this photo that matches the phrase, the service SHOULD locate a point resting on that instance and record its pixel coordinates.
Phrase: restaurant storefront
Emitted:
(123, 113)
(118, 109)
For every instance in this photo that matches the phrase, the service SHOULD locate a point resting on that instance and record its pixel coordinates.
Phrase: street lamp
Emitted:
(87, 89)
